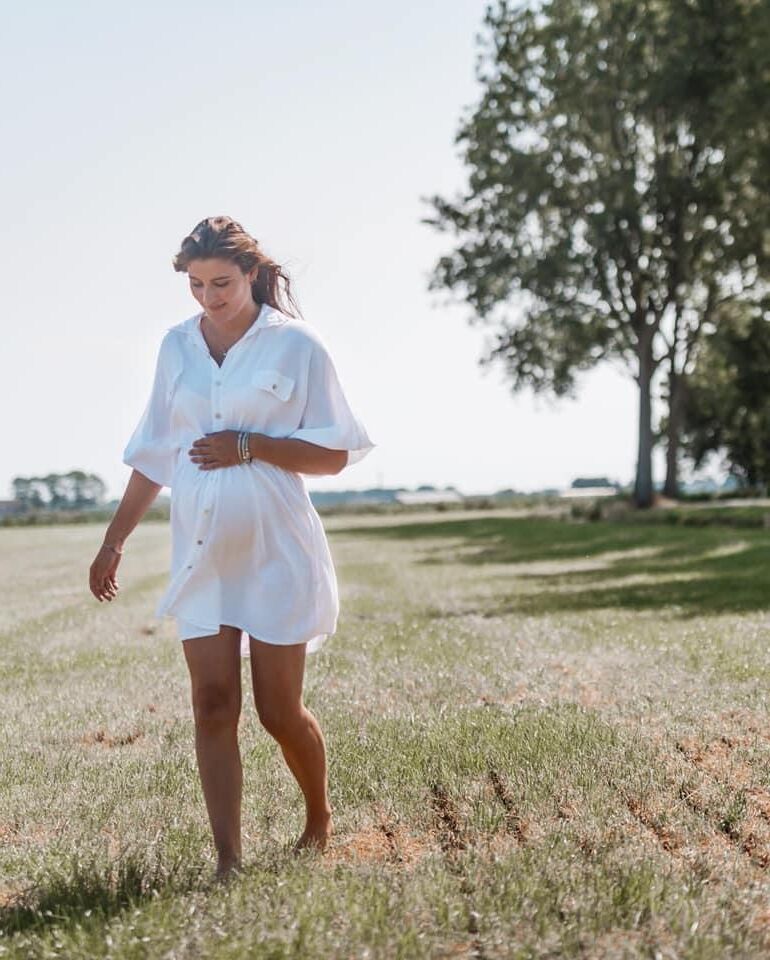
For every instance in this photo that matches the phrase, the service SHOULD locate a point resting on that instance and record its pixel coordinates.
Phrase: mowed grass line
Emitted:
(524, 762)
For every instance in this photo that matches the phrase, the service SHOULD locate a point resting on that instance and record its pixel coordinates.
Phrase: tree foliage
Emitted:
(615, 198)
(727, 400)
(60, 491)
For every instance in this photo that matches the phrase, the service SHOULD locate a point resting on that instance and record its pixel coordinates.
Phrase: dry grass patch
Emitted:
(653, 819)
(727, 831)
(107, 740)
(383, 843)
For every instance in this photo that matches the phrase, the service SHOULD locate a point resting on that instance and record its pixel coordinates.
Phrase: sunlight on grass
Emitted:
(545, 739)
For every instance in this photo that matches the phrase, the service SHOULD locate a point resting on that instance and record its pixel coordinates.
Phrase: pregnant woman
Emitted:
(245, 399)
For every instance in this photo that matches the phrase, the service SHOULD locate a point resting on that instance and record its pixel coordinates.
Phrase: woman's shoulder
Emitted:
(297, 331)
(184, 328)
(170, 348)
(176, 337)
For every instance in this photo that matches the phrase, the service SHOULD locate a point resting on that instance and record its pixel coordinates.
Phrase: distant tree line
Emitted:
(60, 491)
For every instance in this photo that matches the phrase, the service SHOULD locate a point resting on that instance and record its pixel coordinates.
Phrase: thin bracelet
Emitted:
(109, 546)
(244, 453)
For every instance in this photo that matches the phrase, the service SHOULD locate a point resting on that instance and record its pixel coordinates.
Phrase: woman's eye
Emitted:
(222, 284)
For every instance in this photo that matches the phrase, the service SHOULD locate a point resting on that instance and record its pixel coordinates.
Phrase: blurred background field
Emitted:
(547, 737)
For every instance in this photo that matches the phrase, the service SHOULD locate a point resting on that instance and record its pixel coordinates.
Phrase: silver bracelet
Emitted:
(109, 546)
(243, 447)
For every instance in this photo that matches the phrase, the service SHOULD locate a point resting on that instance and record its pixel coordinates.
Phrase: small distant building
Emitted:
(329, 499)
(379, 496)
(8, 507)
(428, 496)
(590, 487)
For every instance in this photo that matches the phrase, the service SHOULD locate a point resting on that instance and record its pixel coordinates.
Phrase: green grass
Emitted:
(546, 739)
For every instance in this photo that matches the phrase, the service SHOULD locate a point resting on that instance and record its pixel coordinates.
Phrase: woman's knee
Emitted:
(215, 706)
(281, 721)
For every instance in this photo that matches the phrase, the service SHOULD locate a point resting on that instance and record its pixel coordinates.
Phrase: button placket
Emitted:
(201, 534)
(216, 396)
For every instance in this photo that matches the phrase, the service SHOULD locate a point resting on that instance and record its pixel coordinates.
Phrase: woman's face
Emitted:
(221, 287)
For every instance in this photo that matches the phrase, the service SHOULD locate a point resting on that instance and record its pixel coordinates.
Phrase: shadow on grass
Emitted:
(584, 566)
(90, 892)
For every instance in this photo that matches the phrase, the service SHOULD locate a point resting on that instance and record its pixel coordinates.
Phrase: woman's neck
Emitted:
(231, 330)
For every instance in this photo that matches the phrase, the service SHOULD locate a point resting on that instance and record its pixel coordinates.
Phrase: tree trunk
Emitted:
(675, 398)
(643, 494)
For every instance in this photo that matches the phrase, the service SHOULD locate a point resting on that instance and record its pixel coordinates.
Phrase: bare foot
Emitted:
(315, 836)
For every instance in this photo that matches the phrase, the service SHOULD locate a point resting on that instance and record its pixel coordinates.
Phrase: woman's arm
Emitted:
(297, 455)
(220, 449)
(139, 494)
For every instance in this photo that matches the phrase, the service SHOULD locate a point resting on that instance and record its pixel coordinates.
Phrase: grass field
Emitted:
(546, 739)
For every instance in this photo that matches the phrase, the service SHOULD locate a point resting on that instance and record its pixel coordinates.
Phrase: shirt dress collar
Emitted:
(268, 317)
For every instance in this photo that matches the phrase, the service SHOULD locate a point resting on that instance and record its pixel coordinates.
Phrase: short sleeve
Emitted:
(327, 419)
(152, 449)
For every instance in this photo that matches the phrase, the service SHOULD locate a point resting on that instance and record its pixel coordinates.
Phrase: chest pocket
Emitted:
(274, 382)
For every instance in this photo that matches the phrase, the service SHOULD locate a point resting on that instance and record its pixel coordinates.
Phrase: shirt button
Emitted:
(199, 542)
(189, 566)
(218, 416)
(218, 383)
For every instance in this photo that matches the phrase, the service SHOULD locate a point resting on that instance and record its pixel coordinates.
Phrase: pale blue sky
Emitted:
(319, 127)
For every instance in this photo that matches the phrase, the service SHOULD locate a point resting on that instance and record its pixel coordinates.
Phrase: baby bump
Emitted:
(252, 509)
(239, 510)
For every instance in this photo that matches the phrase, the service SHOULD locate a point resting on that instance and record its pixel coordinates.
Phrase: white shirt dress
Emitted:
(248, 548)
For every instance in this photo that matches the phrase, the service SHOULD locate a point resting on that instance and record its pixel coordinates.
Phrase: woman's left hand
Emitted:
(216, 450)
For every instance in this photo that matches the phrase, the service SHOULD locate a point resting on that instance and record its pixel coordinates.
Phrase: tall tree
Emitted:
(607, 215)
(721, 63)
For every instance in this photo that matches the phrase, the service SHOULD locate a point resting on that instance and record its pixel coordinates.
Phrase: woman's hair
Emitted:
(224, 238)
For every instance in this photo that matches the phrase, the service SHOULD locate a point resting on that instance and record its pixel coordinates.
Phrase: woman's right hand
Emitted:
(102, 581)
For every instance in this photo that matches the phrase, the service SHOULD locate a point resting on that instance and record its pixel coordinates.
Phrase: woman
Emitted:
(245, 399)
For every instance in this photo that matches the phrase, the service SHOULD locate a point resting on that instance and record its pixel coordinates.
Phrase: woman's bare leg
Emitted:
(215, 676)
(277, 673)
